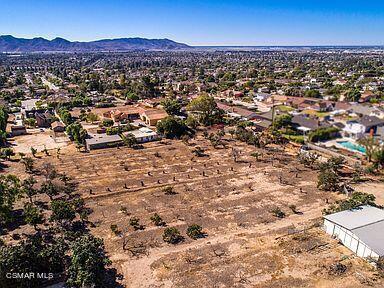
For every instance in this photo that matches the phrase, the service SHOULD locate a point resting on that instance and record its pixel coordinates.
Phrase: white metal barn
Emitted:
(360, 229)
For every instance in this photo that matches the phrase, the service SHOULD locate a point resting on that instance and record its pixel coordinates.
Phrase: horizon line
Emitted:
(201, 45)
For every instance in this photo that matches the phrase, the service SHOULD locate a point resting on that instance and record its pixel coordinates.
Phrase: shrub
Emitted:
(195, 231)
(323, 134)
(107, 123)
(169, 190)
(357, 199)
(278, 213)
(115, 229)
(172, 235)
(134, 222)
(157, 220)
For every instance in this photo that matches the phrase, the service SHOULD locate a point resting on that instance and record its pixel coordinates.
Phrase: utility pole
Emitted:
(273, 110)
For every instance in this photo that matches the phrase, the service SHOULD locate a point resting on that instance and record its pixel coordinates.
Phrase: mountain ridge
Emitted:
(9, 43)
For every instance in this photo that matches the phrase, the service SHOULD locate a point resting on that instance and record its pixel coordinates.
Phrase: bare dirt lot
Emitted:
(245, 244)
(39, 140)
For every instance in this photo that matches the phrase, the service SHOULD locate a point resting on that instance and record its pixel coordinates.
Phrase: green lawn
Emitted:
(295, 138)
(284, 108)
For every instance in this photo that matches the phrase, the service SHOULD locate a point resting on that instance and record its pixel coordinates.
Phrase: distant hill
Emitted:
(9, 43)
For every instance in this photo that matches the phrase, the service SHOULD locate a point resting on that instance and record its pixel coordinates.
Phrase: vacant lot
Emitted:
(39, 140)
(245, 244)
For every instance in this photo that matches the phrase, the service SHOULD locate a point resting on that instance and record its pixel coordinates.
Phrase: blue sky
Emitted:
(209, 22)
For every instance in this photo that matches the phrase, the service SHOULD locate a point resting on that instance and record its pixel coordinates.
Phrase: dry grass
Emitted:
(245, 244)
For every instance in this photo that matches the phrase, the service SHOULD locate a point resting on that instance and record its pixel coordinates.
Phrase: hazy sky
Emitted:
(209, 22)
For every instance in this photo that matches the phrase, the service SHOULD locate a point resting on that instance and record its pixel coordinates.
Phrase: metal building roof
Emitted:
(373, 236)
(356, 218)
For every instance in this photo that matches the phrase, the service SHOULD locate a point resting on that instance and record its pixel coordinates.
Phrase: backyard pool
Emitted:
(352, 146)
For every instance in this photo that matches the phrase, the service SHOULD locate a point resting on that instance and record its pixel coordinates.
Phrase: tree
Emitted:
(88, 263)
(77, 133)
(328, 180)
(28, 163)
(50, 189)
(33, 151)
(30, 122)
(62, 211)
(28, 189)
(172, 235)
(171, 127)
(168, 190)
(370, 145)
(3, 118)
(357, 199)
(32, 215)
(6, 153)
(129, 140)
(378, 157)
(191, 122)
(205, 109)
(65, 116)
(235, 154)
(323, 133)
(282, 121)
(277, 212)
(195, 231)
(171, 106)
(132, 96)
(9, 192)
(49, 171)
(353, 95)
(92, 117)
(148, 86)
(312, 93)
(32, 255)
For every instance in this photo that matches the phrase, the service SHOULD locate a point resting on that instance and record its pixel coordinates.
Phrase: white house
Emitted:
(262, 96)
(354, 130)
(360, 230)
(143, 135)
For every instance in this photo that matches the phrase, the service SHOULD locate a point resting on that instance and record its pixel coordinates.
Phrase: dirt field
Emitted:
(245, 244)
(38, 140)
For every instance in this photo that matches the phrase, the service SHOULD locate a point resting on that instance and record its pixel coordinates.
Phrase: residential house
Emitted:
(152, 116)
(262, 96)
(354, 130)
(99, 141)
(371, 124)
(357, 129)
(305, 124)
(143, 135)
(58, 126)
(44, 119)
(237, 112)
(18, 128)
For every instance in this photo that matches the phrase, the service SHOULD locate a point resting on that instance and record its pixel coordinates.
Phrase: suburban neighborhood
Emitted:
(135, 162)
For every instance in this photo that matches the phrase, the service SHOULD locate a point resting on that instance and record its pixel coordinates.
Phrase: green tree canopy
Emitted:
(206, 110)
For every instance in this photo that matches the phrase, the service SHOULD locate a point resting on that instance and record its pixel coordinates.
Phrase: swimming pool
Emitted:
(352, 146)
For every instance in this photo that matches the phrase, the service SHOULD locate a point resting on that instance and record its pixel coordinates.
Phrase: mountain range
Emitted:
(9, 43)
